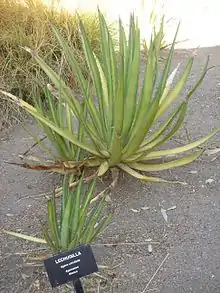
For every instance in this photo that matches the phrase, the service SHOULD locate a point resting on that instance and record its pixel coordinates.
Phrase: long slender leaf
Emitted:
(205, 70)
(52, 219)
(92, 220)
(167, 66)
(96, 77)
(65, 228)
(137, 175)
(179, 150)
(58, 82)
(166, 165)
(25, 237)
(76, 208)
(103, 223)
(79, 233)
(159, 140)
(176, 90)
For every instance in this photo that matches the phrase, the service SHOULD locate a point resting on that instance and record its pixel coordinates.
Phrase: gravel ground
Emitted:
(185, 253)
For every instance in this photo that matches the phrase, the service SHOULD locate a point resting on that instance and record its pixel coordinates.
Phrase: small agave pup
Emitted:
(115, 130)
(80, 220)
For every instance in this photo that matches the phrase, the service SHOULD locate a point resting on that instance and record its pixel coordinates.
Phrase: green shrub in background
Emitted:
(124, 125)
(81, 218)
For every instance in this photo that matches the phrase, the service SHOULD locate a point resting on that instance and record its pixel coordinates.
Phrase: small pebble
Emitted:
(209, 181)
(150, 248)
(9, 215)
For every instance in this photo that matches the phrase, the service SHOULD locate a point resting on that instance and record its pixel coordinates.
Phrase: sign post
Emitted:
(71, 266)
(78, 286)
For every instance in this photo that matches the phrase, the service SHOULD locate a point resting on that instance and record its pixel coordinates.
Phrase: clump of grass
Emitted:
(27, 23)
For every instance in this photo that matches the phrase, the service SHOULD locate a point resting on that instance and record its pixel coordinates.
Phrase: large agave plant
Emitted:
(114, 129)
(80, 219)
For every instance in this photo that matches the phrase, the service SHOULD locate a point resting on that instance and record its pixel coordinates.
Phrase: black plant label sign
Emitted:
(70, 266)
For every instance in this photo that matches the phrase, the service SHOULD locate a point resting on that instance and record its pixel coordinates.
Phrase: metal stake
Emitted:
(78, 286)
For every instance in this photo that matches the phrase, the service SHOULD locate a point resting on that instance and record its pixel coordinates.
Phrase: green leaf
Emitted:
(102, 224)
(118, 117)
(175, 91)
(167, 66)
(71, 60)
(49, 241)
(205, 70)
(63, 132)
(65, 228)
(67, 94)
(178, 111)
(93, 219)
(79, 233)
(91, 61)
(160, 139)
(76, 208)
(65, 196)
(132, 81)
(52, 219)
(140, 130)
(83, 83)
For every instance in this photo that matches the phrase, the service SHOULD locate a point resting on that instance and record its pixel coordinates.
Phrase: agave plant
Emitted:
(124, 125)
(80, 219)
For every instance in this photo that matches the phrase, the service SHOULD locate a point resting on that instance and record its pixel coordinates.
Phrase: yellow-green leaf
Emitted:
(137, 175)
(103, 168)
(174, 93)
(25, 237)
(179, 150)
(166, 165)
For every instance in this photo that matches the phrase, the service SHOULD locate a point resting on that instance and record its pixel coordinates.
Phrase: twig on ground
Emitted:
(111, 287)
(118, 265)
(36, 196)
(187, 133)
(58, 190)
(32, 283)
(32, 265)
(100, 276)
(99, 285)
(34, 145)
(103, 267)
(115, 175)
(26, 252)
(126, 243)
(157, 270)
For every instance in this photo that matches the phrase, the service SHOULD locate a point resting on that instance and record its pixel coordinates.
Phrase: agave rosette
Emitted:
(80, 219)
(114, 129)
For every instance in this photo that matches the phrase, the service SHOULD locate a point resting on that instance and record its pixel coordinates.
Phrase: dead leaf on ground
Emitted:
(135, 211)
(150, 248)
(212, 151)
(145, 208)
(171, 208)
(164, 214)
(193, 172)
(209, 181)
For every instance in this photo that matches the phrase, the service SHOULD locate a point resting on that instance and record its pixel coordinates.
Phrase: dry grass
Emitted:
(26, 23)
